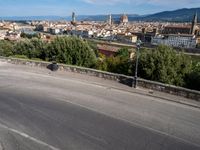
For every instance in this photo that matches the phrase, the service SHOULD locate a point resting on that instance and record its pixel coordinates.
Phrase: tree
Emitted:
(71, 50)
(94, 47)
(40, 48)
(123, 53)
(164, 64)
(6, 48)
(23, 48)
(120, 63)
(193, 78)
(34, 48)
(101, 63)
(29, 36)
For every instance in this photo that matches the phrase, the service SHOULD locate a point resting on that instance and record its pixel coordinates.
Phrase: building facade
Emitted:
(126, 38)
(184, 36)
(175, 40)
(183, 29)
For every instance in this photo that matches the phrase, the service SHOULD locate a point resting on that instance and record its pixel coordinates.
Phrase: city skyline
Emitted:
(86, 7)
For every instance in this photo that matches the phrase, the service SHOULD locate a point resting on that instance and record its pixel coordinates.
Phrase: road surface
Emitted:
(48, 111)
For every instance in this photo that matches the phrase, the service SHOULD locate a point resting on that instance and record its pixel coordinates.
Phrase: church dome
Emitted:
(124, 19)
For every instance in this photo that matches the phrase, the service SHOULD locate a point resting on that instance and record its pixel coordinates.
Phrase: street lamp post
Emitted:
(138, 44)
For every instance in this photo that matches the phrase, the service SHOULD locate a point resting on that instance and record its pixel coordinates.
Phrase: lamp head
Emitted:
(138, 43)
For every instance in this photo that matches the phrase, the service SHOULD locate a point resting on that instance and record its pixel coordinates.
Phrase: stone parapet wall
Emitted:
(128, 80)
(171, 89)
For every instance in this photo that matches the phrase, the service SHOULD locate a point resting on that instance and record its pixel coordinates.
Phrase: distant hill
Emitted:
(115, 17)
(23, 18)
(79, 17)
(180, 15)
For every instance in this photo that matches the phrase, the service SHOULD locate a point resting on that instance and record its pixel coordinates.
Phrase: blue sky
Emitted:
(88, 7)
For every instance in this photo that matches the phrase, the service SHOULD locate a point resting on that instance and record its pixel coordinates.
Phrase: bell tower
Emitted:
(73, 17)
(194, 23)
(110, 20)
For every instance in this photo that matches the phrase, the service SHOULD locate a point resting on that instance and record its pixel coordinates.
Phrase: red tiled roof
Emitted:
(107, 48)
(179, 27)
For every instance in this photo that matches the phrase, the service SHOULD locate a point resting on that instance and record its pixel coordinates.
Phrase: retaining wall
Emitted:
(128, 80)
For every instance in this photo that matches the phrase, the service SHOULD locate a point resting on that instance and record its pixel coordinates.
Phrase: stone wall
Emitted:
(171, 89)
(128, 80)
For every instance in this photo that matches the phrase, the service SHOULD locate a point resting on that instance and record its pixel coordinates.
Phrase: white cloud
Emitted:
(173, 2)
(106, 1)
(181, 3)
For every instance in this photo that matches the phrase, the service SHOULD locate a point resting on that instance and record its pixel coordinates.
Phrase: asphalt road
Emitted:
(41, 110)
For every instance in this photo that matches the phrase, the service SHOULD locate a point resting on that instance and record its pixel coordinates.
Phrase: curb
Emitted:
(151, 95)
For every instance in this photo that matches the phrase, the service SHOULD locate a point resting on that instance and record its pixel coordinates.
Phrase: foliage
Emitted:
(20, 56)
(6, 48)
(71, 50)
(165, 65)
(162, 64)
(33, 48)
(101, 63)
(93, 46)
(36, 59)
(195, 58)
(67, 50)
(193, 79)
(119, 63)
(40, 48)
(123, 53)
(29, 36)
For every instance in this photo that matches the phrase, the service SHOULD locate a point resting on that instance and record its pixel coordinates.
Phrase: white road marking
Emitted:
(1, 147)
(29, 137)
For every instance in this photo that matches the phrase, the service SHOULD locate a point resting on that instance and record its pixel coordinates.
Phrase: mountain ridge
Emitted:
(179, 15)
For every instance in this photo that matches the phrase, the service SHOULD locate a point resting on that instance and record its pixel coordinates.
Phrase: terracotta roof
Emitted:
(180, 27)
(107, 48)
(183, 35)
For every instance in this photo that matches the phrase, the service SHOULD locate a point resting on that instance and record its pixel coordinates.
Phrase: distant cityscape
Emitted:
(100, 75)
(152, 33)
